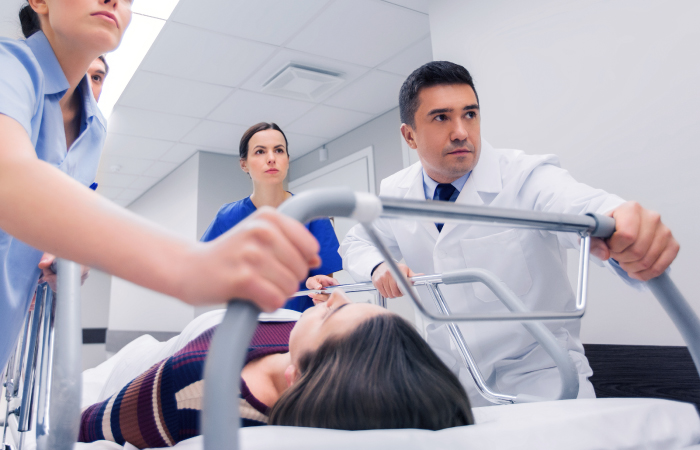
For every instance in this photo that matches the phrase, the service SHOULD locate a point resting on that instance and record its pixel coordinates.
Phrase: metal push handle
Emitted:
(60, 431)
(222, 410)
(222, 371)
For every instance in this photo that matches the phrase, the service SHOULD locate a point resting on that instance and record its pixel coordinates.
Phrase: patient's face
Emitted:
(336, 317)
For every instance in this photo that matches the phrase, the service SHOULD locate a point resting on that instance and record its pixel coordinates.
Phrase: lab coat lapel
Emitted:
(486, 177)
(414, 185)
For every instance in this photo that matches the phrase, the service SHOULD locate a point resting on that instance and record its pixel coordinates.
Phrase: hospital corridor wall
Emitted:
(611, 88)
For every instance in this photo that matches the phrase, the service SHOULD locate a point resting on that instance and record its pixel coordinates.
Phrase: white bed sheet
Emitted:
(587, 424)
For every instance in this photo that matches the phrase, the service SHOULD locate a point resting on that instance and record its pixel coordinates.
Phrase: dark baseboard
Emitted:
(644, 371)
(94, 335)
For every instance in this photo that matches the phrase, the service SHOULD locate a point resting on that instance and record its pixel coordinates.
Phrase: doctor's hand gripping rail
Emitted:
(220, 417)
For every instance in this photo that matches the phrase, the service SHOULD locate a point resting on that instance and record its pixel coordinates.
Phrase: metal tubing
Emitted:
(436, 211)
(220, 416)
(466, 354)
(45, 372)
(381, 300)
(582, 284)
(408, 290)
(26, 402)
(22, 348)
(64, 412)
(8, 384)
(680, 312)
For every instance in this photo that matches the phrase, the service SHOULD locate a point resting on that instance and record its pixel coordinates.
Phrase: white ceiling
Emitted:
(199, 86)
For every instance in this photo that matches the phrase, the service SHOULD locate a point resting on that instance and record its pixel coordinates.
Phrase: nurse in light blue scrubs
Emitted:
(51, 134)
(265, 157)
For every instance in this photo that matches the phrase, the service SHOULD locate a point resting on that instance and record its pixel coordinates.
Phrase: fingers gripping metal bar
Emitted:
(220, 417)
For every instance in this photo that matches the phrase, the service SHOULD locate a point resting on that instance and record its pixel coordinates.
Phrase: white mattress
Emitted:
(588, 424)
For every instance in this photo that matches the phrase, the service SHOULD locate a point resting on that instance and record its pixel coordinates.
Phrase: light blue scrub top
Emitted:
(31, 85)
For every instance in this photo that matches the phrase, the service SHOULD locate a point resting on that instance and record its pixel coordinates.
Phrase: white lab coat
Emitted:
(532, 263)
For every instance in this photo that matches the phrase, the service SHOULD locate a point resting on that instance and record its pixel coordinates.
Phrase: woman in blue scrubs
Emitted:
(51, 136)
(265, 158)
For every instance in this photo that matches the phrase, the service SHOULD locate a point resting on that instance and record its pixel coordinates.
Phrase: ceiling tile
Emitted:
(416, 5)
(210, 135)
(122, 203)
(374, 93)
(363, 32)
(128, 166)
(130, 194)
(410, 59)
(270, 21)
(328, 122)
(150, 124)
(300, 145)
(156, 92)
(201, 55)
(179, 153)
(117, 180)
(349, 72)
(144, 183)
(160, 169)
(248, 108)
(109, 192)
(135, 147)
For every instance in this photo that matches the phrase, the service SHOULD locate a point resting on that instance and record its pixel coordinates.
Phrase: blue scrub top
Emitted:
(232, 213)
(31, 85)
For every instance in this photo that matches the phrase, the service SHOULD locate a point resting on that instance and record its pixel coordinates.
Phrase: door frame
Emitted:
(366, 153)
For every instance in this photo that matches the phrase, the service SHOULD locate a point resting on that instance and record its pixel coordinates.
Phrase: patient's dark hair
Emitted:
(29, 20)
(382, 375)
(435, 73)
(258, 127)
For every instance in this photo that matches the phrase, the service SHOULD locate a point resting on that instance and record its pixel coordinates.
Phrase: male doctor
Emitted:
(440, 112)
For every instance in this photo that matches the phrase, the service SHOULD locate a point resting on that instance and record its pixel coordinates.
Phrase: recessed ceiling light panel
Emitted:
(302, 82)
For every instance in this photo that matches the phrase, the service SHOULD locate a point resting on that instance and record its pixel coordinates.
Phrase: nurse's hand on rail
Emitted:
(642, 245)
(262, 259)
(385, 283)
(318, 282)
(49, 276)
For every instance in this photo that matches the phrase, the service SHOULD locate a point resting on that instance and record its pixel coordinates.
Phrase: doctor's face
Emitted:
(447, 131)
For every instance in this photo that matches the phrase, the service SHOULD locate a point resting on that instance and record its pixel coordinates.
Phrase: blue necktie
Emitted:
(444, 193)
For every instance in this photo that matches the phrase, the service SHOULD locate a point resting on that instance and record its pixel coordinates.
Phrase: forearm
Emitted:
(79, 225)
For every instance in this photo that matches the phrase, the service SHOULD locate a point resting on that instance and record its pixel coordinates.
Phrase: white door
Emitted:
(355, 172)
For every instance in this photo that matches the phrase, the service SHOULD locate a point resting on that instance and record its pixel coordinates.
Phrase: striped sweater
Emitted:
(161, 406)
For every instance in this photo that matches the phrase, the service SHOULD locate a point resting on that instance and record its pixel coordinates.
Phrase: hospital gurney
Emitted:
(220, 415)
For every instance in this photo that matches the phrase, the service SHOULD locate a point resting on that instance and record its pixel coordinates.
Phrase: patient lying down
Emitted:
(343, 365)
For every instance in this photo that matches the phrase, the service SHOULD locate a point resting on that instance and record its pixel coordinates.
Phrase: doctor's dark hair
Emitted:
(250, 132)
(29, 20)
(434, 73)
(382, 375)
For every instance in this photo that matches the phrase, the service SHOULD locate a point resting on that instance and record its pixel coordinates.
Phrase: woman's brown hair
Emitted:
(382, 375)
